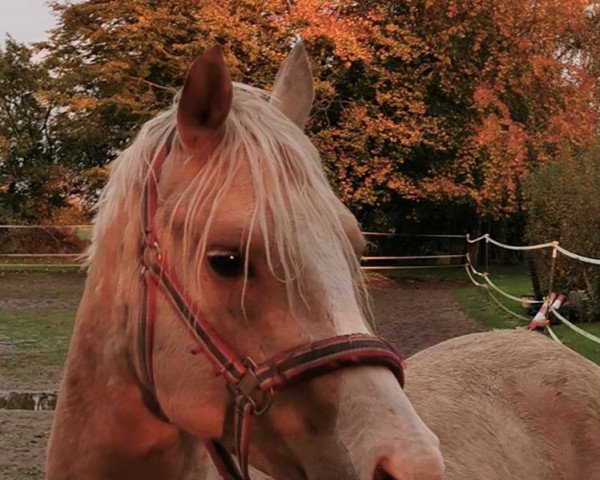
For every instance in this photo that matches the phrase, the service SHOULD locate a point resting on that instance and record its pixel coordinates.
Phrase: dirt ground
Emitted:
(413, 316)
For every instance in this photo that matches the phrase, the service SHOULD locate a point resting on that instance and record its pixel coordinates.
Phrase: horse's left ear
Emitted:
(293, 92)
(205, 100)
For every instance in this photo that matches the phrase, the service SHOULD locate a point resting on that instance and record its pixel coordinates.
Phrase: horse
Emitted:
(224, 292)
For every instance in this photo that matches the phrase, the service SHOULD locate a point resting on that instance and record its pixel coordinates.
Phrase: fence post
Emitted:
(473, 250)
(553, 265)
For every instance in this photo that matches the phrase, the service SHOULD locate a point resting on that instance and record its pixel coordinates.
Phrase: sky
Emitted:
(25, 20)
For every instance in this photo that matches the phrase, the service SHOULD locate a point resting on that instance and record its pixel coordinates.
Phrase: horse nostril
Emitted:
(414, 467)
(381, 474)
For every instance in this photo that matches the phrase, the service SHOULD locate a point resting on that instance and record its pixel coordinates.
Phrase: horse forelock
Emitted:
(292, 199)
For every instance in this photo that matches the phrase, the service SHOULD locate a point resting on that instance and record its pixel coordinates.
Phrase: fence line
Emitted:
(554, 244)
(409, 267)
(552, 334)
(422, 235)
(470, 271)
(411, 257)
(485, 275)
(574, 327)
(581, 258)
(508, 295)
(488, 285)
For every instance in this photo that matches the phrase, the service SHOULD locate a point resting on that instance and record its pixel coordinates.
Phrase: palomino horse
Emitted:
(218, 239)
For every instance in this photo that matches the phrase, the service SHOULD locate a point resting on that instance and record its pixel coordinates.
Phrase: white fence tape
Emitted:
(506, 309)
(575, 328)
(581, 258)
(523, 247)
(410, 267)
(552, 334)
(470, 272)
(475, 240)
(414, 257)
(555, 245)
(508, 295)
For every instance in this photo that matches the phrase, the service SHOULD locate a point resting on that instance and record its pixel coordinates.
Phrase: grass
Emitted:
(37, 311)
(475, 302)
(585, 347)
(36, 342)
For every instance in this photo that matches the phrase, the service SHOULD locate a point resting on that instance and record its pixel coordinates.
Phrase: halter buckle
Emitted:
(247, 385)
(151, 253)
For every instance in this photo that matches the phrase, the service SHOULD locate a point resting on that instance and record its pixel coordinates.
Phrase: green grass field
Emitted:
(36, 319)
(38, 340)
(475, 302)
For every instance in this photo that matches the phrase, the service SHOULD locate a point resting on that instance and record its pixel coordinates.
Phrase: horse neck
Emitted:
(104, 426)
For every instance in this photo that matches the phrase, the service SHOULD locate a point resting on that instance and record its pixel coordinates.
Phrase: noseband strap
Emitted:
(252, 386)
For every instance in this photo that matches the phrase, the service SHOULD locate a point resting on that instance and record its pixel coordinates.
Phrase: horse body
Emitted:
(249, 225)
(509, 405)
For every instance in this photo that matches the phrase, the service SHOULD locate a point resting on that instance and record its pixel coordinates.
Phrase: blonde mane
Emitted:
(287, 180)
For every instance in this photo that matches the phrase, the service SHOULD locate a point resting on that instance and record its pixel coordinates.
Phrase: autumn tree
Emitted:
(428, 112)
(119, 62)
(449, 105)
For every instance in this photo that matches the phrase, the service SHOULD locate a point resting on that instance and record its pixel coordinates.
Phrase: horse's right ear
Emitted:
(205, 100)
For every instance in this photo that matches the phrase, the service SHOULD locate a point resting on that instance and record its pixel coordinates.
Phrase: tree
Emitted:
(452, 103)
(426, 110)
(32, 184)
(119, 63)
(564, 203)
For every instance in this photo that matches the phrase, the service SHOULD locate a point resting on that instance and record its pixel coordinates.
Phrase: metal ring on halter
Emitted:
(247, 385)
(151, 254)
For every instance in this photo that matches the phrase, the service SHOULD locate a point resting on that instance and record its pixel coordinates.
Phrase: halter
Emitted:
(251, 386)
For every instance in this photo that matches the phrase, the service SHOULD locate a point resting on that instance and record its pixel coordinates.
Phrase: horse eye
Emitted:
(227, 264)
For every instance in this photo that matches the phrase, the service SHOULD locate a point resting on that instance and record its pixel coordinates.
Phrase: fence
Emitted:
(548, 304)
(431, 251)
(47, 246)
(420, 251)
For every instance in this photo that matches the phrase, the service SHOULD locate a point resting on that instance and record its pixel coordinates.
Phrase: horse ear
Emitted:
(293, 92)
(205, 100)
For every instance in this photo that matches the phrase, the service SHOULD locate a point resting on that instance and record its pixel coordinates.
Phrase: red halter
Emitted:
(251, 385)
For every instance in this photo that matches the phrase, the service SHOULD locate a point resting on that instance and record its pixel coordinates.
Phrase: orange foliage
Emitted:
(426, 100)
(454, 100)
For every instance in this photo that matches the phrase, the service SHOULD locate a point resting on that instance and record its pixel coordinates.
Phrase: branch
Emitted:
(156, 85)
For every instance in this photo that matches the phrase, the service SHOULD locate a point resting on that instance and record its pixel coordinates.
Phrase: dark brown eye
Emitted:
(228, 264)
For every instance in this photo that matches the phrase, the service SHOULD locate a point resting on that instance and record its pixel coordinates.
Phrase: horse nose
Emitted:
(430, 467)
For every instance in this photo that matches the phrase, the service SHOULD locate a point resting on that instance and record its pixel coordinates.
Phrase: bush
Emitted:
(47, 240)
(565, 206)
